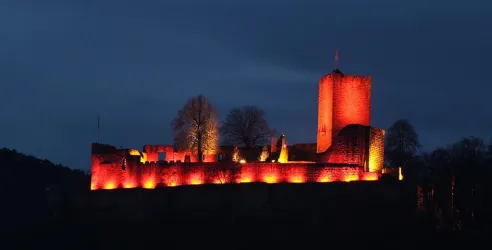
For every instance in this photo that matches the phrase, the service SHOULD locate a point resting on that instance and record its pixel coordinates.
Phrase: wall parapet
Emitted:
(157, 174)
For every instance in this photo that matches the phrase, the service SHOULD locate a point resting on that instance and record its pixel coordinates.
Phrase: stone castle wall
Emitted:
(325, 113)
(342, 100)
(359, 145)
(376, 150)
(351, 102)
(117, 174)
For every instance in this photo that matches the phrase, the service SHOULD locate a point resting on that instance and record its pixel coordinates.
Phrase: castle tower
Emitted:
(342, 100)
(325, 113)
(351, 101)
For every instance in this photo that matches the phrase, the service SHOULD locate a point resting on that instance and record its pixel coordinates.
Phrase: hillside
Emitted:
(29, 173)
(255, 215)
(45, 199)
(27, 183)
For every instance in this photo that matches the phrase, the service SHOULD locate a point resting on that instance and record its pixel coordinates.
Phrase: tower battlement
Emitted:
(342, 100)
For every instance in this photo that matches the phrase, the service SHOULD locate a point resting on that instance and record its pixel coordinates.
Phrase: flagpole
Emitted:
(336, 59)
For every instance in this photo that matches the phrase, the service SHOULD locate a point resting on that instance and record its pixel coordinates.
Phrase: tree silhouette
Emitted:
(264, 154)
(246, 126)
(467, 157)
(401, 143)
(235, 154)
(469, 149)
(196, 128)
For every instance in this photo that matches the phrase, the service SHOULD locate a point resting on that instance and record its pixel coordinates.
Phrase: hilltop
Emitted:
(28, 173)
(28, 183)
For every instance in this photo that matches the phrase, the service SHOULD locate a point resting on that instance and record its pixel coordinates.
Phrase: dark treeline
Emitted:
(453, 183)
(27, 173)
(28, 184)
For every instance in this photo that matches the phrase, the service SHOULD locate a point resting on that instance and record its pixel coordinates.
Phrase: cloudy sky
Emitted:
(135, 63)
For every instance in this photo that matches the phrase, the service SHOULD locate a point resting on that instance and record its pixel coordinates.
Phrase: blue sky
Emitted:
(135, 63)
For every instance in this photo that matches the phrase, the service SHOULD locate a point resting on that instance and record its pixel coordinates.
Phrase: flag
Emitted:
(336, 55)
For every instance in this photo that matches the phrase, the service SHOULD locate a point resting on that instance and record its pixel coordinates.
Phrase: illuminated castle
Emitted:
(347, 149)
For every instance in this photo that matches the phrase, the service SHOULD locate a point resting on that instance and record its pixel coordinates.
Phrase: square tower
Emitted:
(342, 100)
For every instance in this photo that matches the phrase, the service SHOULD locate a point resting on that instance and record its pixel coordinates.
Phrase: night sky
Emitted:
(135, 63)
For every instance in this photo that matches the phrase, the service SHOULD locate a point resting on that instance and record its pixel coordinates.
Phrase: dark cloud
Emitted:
(62, 64)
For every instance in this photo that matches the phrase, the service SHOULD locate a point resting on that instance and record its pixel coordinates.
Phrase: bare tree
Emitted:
(226, 174)
(469, 148)
(246, 126)
(467, 157)
(401, 143)
(264, 154)
(196, 127)
(235, 154)
(220, 174)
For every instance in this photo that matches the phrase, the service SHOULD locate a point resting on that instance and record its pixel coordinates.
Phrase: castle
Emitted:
(347, 149)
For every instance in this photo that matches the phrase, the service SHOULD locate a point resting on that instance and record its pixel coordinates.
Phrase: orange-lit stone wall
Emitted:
(151, 175)
(152, 154)
(376, 150)
(325, 113)
(342, 100)
(359, 145)
(348, 147)
(351, 102)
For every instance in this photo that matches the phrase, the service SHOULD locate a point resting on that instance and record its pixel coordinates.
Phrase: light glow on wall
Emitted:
(376, 150)
(149, 184)
(110, 185)
(153, 175)
(195, 179)
(351, 102)
(129, 185)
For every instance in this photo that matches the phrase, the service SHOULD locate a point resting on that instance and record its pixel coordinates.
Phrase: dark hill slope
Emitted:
(27, 183)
